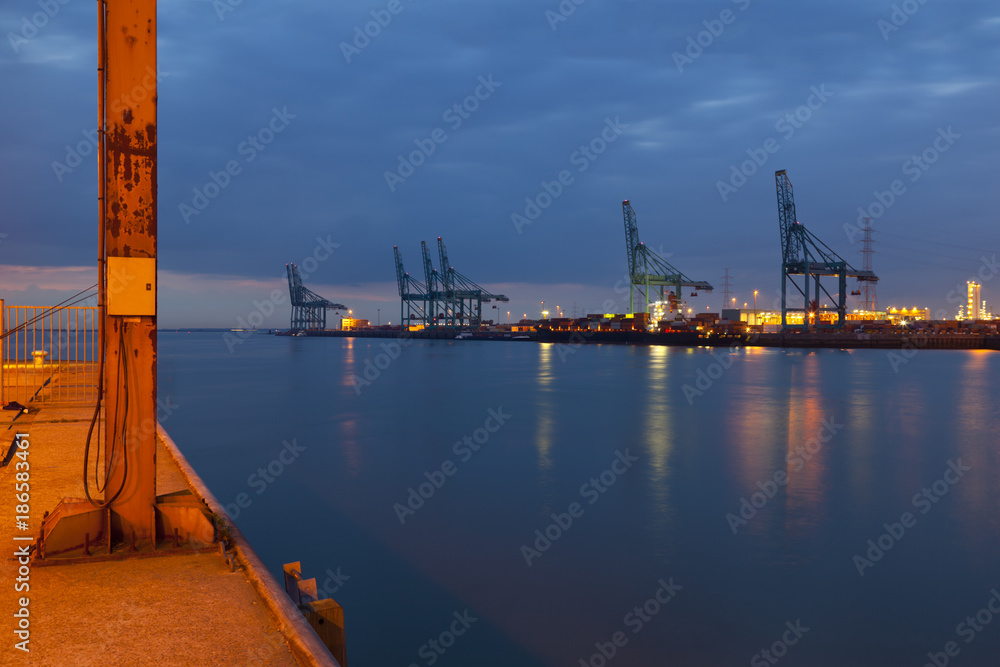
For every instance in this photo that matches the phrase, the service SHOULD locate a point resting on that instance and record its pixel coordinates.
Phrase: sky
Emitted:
(513, 130)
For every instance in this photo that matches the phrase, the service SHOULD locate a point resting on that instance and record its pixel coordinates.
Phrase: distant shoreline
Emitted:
(818, 340)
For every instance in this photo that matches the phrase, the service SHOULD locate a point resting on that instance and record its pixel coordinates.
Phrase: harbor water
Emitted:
(514, 503)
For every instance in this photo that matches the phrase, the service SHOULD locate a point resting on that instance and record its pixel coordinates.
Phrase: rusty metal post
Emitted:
(128, 230)
(3, 347)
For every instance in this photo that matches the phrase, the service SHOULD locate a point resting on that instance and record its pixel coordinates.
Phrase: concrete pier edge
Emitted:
(304, 643)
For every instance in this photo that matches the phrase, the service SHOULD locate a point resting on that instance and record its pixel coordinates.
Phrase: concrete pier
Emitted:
(173, 608)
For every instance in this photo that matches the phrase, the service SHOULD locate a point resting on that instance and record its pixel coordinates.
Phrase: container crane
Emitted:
(804, 254)
(461, 297)
(413, 305)
(647, 269)
(308, 308)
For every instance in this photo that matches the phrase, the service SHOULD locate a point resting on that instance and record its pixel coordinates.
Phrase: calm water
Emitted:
(842, 442)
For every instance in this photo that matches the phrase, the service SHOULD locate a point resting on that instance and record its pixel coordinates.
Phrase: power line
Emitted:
(725, 290)
(870, 288)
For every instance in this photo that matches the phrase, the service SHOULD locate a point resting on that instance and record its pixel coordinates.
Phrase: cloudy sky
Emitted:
(661, 103)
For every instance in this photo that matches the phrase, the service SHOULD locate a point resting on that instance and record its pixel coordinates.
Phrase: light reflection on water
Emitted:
(976, 442)
(543, 436)
(665, 517)
(807, 471)
(658, 433)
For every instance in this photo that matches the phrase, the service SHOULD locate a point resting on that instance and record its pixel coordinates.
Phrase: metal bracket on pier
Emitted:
(325, 616)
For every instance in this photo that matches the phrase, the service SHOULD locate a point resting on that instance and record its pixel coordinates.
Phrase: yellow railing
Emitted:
(48, 356)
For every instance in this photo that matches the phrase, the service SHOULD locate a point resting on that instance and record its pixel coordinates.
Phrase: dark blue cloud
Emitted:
(889, 93)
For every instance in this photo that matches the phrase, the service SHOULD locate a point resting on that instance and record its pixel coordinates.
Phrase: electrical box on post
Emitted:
(131, 286)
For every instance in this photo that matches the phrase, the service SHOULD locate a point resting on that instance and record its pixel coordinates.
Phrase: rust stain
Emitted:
(131, 180)
(127, 171)
(151, 220)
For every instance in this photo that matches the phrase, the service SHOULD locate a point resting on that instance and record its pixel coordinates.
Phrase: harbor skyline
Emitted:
(559, 453)
(350, 143)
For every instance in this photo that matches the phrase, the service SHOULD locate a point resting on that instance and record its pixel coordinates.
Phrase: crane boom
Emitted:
(400, 273)
(791, 243)
(445, 274)
(429, 272)
(631, 238)
(648, 269)
(804, 254)
(413, 299)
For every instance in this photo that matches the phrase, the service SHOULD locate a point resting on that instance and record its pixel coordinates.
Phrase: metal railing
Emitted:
(53, 359)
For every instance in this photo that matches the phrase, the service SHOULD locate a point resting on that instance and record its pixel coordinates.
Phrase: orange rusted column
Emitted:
(128, 227)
